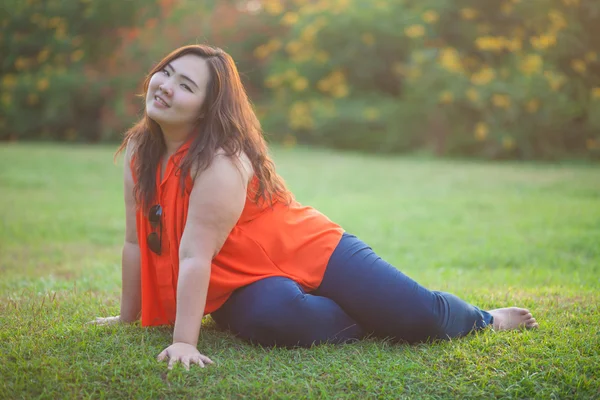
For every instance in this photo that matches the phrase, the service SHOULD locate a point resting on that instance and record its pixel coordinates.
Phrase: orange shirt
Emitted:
(292, 241)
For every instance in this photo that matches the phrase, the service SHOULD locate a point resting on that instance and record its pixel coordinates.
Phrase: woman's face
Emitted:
(176, 94)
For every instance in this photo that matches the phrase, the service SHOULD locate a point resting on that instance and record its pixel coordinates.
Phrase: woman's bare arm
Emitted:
(131, 286)
(215, 205)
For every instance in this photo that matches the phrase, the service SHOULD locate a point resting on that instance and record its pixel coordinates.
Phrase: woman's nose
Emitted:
(166, 89)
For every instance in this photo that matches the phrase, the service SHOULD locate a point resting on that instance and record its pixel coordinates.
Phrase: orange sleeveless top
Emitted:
(292, 241)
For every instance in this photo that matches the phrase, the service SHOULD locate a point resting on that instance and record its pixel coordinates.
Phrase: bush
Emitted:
(493, 79)
(55, 58)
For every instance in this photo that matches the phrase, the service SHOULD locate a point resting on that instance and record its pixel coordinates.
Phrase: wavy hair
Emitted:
(226, 122)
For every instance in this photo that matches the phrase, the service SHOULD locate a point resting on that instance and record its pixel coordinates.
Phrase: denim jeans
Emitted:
(360, 294)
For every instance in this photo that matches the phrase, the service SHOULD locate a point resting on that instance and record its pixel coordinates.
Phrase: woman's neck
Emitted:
(174, 138)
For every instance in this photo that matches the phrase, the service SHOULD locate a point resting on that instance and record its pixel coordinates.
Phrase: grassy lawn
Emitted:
(494, 234)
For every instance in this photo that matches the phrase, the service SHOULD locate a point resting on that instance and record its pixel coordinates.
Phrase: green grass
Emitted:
(494, 234)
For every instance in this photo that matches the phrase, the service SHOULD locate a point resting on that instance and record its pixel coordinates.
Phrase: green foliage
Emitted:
(56, 62)
(500, 79)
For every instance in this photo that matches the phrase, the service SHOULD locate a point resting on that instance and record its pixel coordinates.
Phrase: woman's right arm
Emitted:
(131, 284)
(131, 287)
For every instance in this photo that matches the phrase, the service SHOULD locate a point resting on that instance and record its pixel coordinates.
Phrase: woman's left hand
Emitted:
(184, 353)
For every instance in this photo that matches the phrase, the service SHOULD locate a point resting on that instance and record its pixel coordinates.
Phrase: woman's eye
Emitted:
(166, 72)
(186, 87)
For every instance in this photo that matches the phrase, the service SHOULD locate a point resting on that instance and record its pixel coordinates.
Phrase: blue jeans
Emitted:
(360, 294)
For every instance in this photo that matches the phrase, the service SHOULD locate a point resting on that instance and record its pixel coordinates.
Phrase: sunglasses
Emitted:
(154, 240)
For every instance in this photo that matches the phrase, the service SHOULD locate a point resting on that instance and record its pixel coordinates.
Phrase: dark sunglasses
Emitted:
(154, 239)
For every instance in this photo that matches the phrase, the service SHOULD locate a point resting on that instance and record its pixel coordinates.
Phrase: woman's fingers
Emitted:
(162, 356)
(104, 321)
(198, 360)
(205, 359)
(186, 362)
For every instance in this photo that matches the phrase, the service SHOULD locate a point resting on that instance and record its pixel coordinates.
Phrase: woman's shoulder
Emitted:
(222, 159)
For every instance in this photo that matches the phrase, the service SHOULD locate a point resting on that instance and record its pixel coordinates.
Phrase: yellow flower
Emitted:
(542, 42)
(60, 33)
(321, 56)
(501, 100)
(450, 59)
(300, 84)
(293, 47)
(299, 116)
(555, 81)
(430, 16)
(43, 55)
(340, 91)
(532, 106)
(446, 97)
(484, 76)
(531, 64)
(557, 20)
(506, 8)
(513, 44)
(371, 113)
(413, 73)
(579, 66)
(261, 52)
(290, 74)
(381, 5)
(21, 63)
(472, 94)
(273, 81)
(9, 80)
(289, 18)
(570, 2)
(76, 55)
(468, 13)
(32, 99)
(596, 93)
(490, 43)
(273, 44)
(591, 56)
(481, 131)
(414, 31)
(273, 7)
(508, 143)
(309, 33)
(368, 39)
(42, 84)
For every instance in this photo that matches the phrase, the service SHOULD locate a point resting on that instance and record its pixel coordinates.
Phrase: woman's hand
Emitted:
(184, 353)
(106, 320)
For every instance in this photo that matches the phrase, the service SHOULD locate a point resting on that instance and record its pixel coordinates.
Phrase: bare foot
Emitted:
(512, 318)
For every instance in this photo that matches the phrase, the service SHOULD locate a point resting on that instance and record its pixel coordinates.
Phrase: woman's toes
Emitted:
(531, 323)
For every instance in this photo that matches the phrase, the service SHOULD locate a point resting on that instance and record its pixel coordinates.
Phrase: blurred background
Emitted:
(497, 79)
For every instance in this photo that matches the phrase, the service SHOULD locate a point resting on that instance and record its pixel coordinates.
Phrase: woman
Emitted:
(212, 229)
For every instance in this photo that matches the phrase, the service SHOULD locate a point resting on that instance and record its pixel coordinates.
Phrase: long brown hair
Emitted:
(226, 121)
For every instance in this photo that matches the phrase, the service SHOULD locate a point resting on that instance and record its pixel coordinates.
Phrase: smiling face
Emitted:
(176, 93)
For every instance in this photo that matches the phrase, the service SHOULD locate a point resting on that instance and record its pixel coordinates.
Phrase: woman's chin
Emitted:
(153, 115)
